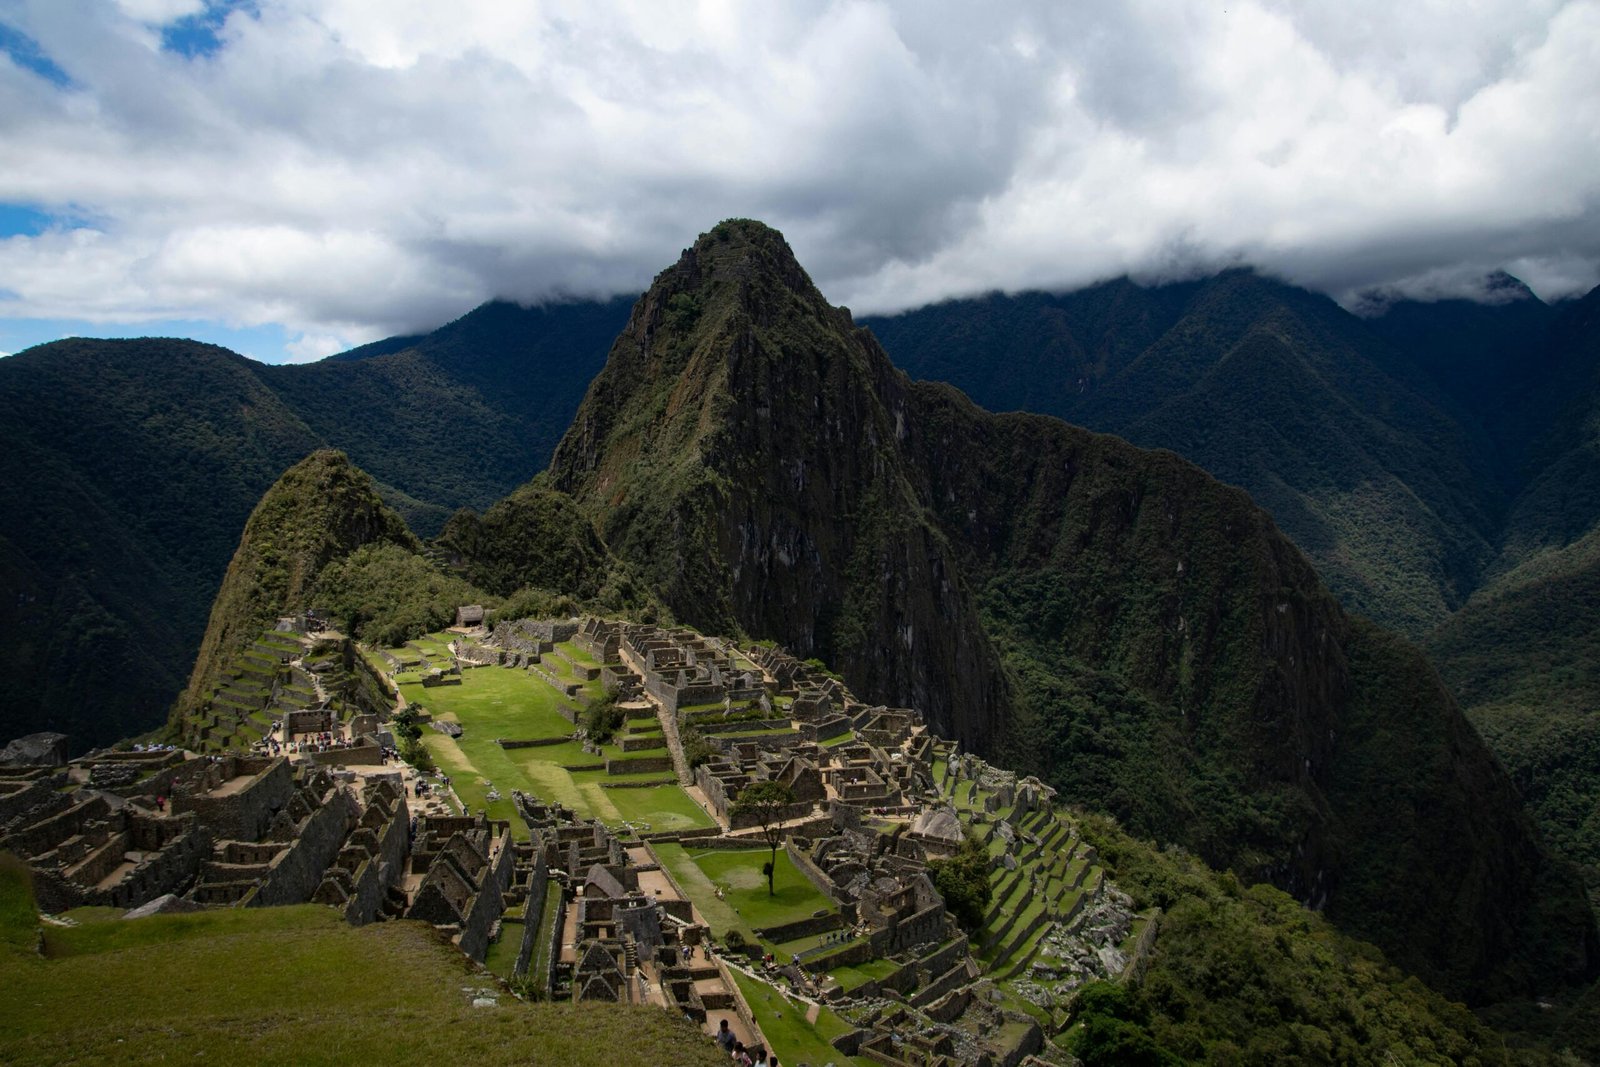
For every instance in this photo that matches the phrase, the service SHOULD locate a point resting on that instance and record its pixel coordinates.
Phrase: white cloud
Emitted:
(349, 168)
(159, 11)
(313, 346)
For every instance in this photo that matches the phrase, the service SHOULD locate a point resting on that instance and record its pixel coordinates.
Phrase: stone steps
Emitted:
(1025, 926)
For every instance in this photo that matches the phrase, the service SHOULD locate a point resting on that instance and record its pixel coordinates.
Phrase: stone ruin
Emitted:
(123, 829)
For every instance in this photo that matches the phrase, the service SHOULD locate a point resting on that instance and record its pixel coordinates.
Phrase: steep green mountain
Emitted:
(1266, 386)
(1112, 618)
(1473, 355)
(464, 414)
(128, 467)
(322, 509)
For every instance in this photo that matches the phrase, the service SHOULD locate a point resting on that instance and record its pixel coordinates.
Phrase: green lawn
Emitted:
(502, 955)
(783, 1021)
(577, 655)
(496, 702)
(746, 904)
(852, 976)
(289, 986)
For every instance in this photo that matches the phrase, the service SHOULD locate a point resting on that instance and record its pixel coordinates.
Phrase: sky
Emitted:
(291, 178)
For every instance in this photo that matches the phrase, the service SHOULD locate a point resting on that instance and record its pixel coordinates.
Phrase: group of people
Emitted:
(318, 742)
(741, 1056)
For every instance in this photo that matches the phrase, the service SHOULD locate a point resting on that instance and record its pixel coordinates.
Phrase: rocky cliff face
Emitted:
(1111, 617)
(743, 446)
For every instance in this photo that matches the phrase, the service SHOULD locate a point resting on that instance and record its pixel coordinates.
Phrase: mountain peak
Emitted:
(738, 264)
(320, 509)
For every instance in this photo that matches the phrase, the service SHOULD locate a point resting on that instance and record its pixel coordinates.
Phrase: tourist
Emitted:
(725, 1037)
(741, 1058)
(759, 1056)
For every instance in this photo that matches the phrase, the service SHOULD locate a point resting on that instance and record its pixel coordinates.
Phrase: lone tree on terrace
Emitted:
(765, 802)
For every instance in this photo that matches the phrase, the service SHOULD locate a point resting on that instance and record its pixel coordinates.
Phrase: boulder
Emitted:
(166, 904)
(36, 750)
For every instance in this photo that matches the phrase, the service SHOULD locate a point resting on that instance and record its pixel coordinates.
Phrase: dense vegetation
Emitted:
(1266, 386)
(1437, 461)
(532, 538)
(127, 469)
(1245, 975)
(387, 594)
(963, 881)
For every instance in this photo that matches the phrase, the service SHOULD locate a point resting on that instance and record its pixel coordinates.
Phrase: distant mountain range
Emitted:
(1437, 462)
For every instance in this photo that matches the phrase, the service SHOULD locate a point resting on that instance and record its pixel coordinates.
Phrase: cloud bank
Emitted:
(348, 169)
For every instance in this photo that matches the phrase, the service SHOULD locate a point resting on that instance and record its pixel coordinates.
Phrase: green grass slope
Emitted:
(290, 986)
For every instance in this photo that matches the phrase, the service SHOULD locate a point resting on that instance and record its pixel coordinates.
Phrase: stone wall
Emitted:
(383, 869)
(549, 631)
(929, 924)
(18, 797)
(360, 756)
(640, 765)
(793, 931)
(816, 876)
(744, 820)
(488, 903)
(309, 721)
(44, 835)
(243, 815)
(533, 911)
(952, 979)
(1139, 957)
(158, 873)
(297, 871)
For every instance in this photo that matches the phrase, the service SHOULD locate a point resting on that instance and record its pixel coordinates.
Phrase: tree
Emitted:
(963, 881)
(766, 803)
(1110, 1027)
(404, 723)
(603, 718)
